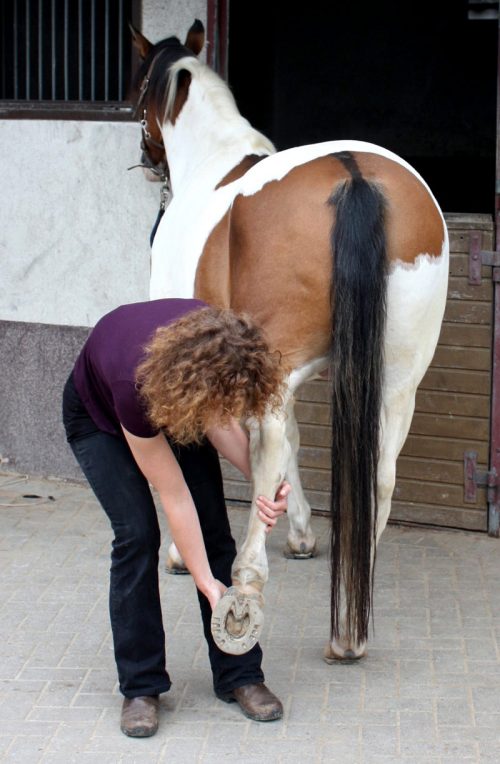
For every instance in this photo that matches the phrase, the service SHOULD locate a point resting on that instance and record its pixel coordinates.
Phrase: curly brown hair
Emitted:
(205, 368)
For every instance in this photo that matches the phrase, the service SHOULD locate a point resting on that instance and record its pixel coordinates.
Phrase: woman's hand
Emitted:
(214, 591)
(269, 511)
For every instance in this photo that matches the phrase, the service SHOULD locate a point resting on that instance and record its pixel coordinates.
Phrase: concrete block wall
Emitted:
(74, 244)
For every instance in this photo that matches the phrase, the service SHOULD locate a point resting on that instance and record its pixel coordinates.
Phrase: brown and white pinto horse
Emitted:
(340, 252)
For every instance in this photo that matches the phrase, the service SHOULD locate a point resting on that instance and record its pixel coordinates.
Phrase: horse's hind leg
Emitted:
(301, 541)
(174, 563)
(237, 618)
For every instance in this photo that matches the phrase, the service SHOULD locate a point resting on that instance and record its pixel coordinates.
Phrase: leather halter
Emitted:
(161, 168)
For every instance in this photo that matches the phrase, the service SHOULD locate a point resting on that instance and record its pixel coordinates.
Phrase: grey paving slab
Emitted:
(428, 691)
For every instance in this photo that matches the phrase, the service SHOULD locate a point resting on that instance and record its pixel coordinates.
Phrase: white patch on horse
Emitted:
(187, 229)
(416, 297)
(209, 138)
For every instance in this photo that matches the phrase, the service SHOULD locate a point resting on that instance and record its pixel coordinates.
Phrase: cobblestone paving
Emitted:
(428, 691)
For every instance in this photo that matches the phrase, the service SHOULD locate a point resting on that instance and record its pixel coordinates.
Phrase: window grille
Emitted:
(65, 55)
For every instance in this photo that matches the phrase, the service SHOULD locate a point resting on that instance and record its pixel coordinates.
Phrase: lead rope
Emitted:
(165, 195)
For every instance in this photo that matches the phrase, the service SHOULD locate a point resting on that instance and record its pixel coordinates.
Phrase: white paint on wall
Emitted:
(74, 224)
(164, 18)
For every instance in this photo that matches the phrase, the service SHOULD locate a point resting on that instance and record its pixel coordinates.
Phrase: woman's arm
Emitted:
(159, 466)
(232, 442)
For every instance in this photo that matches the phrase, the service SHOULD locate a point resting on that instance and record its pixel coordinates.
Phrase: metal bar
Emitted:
(494, 506)
(53, 48)
(106, 50)
(120, 50)
(212, 33)
(27, 39)
(470, 485)
(223, 38)
(80, 51)
(4, 54)
(475, 258)
(490, 258)
(40, 50)
(479, 257)
(113, 111)
(16, 53)
(66, 46)
(92, 51)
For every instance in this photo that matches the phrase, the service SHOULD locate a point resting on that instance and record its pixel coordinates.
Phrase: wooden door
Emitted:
(452, 413)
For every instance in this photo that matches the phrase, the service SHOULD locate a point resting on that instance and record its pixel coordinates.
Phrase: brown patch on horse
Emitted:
(212, 274)
(270, 256)
(237, 172)
(279, 264)
(211, 283)
(413, 223)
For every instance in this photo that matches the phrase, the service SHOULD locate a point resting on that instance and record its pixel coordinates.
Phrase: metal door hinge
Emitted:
(473, 478)
(479, 257)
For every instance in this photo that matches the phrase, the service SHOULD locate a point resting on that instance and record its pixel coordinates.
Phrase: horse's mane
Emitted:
(164, 64)
(218, 94)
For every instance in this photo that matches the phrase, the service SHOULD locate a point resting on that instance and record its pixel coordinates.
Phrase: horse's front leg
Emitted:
(238, 617)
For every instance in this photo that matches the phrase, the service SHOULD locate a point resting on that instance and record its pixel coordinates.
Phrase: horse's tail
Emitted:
(358, 299)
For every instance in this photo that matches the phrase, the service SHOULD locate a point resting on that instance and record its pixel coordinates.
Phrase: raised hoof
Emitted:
(237, 621)
(176, 570)
(303, 553)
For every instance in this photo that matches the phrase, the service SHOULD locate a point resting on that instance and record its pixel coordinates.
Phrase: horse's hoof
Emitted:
(174, 564)
(334, 654)
(173, 570)
(237, 621)
(302, 553)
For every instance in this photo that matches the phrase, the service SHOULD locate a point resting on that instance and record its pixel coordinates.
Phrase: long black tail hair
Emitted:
(358, 299)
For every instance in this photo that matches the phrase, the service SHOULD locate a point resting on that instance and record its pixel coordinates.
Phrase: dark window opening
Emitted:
(65, 55)
(418, 78)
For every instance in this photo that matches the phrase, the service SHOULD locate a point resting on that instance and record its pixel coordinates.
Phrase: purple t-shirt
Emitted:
(104, 372)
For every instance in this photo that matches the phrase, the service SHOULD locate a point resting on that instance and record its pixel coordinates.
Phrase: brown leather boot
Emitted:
(140, 716)
(256, 702)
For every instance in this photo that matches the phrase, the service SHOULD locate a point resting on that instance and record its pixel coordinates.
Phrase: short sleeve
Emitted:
(130, 410)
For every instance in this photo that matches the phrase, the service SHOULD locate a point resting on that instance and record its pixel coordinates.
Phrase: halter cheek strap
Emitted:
(161, 169)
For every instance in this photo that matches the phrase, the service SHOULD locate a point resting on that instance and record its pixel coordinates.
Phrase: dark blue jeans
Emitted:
(134, 600)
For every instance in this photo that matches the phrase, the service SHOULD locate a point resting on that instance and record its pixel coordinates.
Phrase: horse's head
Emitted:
(151, 86)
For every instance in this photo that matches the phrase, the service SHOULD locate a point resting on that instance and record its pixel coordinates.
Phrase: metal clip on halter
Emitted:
(164, 192)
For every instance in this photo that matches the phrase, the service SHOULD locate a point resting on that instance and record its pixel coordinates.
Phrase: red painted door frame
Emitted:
(217, 35)
(494, 506)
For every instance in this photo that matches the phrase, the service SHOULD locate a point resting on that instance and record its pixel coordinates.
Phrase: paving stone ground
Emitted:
(428, 691)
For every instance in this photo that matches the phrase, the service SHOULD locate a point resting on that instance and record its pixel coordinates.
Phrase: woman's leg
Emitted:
(201, 469)
(134, 601)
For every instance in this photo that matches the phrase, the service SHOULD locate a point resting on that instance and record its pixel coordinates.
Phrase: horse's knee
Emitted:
(270, 453)
(386, 480)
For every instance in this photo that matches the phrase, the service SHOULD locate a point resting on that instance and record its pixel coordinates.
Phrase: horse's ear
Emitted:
(195, 39)
(140, 42)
